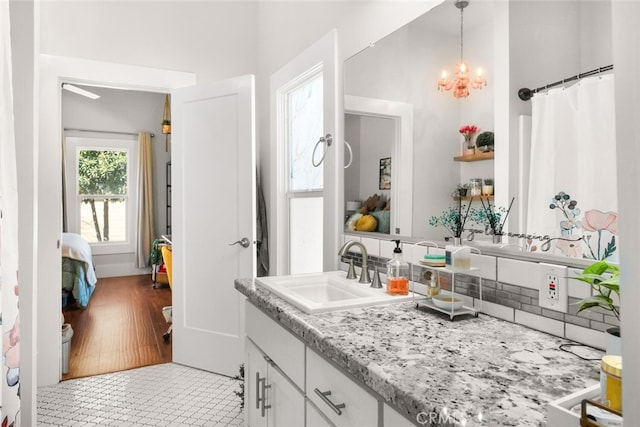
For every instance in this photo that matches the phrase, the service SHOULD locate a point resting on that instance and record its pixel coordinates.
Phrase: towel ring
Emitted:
(328, 139)
(350, 154)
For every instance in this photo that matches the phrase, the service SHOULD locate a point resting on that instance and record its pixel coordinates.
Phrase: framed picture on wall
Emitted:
(385, 174)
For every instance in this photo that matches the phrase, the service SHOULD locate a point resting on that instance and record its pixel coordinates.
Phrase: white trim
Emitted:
(297, 69)
(55, 70)
(402, 154)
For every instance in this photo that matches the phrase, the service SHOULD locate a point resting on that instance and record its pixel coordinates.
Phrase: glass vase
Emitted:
(468, 148)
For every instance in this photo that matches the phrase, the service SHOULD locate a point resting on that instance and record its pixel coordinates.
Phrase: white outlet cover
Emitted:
(554, 287)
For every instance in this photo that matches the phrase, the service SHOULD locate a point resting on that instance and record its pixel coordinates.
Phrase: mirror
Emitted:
(543, 42)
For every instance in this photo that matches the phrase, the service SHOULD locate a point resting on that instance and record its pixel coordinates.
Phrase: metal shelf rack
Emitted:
(424, 301)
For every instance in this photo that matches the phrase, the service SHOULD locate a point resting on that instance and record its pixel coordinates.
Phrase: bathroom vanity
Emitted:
(396, 365)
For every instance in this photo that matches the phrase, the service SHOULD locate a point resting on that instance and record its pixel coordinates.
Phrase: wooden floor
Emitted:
(121, 328)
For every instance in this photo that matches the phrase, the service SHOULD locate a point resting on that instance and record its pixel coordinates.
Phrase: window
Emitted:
(303, 104)
(101, 192)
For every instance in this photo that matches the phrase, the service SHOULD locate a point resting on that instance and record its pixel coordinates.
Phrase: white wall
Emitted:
(123, 111)
(626, 39)
(377, 134)
(25, 48)
(213, 39)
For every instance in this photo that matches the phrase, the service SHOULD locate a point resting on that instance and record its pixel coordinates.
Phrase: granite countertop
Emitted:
(424, 364)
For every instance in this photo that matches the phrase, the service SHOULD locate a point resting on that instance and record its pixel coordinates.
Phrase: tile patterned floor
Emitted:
(160, 395)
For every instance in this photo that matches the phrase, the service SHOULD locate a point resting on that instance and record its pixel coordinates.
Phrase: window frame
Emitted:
(73, 146)
(286, 193)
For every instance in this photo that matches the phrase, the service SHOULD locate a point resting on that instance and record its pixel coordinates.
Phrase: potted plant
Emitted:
(484, 141)
(494, 218)
(461, 190)
(604, 280)
(467, 132)
(453, 219)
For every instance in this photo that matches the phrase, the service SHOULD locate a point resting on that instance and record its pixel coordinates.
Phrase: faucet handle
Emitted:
(351, 274)
(376, 283)
(364, 275)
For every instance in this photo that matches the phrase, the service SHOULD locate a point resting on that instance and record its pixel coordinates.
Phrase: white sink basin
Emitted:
(322, 292)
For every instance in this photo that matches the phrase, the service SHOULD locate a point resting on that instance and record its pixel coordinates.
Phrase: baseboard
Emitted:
(117, 270)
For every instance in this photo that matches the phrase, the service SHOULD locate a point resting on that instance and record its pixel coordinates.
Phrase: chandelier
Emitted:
(461, 82)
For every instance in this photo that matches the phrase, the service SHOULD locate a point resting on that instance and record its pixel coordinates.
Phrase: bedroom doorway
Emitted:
(121, 324)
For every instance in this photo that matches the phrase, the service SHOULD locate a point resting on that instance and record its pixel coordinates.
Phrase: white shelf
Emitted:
(452, 313)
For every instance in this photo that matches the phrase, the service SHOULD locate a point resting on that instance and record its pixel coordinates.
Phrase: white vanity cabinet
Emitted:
(278, 393)
(274, 373)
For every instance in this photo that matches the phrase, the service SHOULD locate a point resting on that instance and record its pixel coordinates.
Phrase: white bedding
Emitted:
(76, 247)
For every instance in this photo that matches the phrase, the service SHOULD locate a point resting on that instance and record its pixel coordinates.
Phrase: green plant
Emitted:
(461, 190)
(604, 279)
(483, 139)
(240, 377)
(453, 218)
(492, 216)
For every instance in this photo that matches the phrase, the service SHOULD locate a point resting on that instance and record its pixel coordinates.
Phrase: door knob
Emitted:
(244, 242)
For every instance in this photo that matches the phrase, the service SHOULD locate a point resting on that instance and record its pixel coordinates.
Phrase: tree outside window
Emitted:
(102, 188)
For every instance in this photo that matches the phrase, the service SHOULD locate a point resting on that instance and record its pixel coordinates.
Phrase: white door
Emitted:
(307, 219)
(213, 171)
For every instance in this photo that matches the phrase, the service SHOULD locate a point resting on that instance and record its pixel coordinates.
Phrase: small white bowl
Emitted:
(447, 301)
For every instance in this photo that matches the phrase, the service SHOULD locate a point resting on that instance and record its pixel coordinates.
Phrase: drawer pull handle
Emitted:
(258, 381)
(324, 396)
(261, 390)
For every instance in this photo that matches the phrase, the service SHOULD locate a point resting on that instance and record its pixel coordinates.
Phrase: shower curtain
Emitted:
(9, 397)
(573, 150)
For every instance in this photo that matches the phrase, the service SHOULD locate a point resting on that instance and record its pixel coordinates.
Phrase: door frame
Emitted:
(401, 153)
(54, 70)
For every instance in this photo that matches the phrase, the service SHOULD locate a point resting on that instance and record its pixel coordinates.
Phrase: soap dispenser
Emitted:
(397, 273)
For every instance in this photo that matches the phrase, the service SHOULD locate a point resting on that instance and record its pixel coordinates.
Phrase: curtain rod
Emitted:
(104, 131)
(526, 94)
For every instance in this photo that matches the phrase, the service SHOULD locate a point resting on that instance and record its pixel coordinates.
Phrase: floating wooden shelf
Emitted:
(474, 157)
(467, 198)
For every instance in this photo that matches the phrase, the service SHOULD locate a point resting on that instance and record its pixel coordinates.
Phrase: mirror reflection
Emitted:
(406, 66)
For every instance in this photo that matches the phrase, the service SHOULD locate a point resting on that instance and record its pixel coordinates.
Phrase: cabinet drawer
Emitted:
(282, 347)
(360, 408)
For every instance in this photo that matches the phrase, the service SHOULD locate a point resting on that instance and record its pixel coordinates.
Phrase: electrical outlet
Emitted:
(554, 292)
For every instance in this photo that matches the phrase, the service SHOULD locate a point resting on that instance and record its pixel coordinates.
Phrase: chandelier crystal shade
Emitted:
(461, 81)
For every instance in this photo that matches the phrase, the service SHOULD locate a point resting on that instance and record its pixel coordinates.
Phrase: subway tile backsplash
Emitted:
(510, 292)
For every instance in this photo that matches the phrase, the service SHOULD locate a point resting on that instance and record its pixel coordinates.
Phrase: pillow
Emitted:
(351, 222)
(384, 221)
(367, 223)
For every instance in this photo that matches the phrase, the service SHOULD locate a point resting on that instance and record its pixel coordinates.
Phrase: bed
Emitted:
(78, 274)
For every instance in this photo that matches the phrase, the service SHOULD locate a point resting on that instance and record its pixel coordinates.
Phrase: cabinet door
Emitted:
(314, 418)
(285, 400)
(256, 370)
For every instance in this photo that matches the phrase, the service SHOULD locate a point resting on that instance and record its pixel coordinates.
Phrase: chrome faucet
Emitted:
(364, 275)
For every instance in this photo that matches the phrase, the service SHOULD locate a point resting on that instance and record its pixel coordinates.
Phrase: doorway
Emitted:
(121, 325)
(54, 71)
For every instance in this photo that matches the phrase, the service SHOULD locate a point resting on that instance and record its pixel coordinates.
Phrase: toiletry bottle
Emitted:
(433, 288)
(397, 273)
